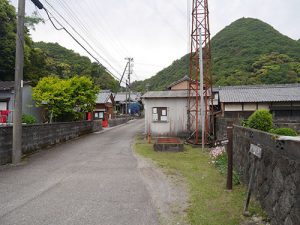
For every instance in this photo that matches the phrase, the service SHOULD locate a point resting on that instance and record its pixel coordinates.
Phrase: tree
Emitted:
(7, 40)
(276, 68)
(65, 99)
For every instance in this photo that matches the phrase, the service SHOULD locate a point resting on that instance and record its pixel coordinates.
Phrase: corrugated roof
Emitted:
(166, 94)
(103, 96)
(261, 93)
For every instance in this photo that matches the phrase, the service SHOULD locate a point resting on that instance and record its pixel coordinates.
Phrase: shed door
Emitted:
(3, 105)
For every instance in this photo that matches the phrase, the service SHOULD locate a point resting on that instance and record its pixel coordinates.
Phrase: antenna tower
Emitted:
(200, 45)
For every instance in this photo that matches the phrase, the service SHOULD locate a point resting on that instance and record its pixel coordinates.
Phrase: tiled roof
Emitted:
(260, 93)
(121, 96)
(166, 94)
(103, 96)
(6, 85)
(10, 85)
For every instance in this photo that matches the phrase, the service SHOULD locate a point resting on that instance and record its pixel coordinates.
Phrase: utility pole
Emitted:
(17, 116)
(126, 108)
(130, 60)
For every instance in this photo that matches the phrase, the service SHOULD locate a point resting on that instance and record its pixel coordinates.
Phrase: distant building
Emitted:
(7, 101)
(121, 98)
(166, 112)
(283, 101)
(182, 84)
(105, 105)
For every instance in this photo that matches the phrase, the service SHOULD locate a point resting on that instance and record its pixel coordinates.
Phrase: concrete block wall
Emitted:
(40, 136)
(277, 183)
(118, 121)
(221, 126)
(293, 125)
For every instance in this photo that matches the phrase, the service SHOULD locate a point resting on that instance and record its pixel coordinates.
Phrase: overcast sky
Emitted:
(153, 32)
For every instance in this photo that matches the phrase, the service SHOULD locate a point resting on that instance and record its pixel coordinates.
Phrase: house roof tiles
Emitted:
(6, 85)
(259, 93)
(103, 97)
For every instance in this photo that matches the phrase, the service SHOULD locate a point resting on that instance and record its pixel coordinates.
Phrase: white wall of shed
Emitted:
(177, 116)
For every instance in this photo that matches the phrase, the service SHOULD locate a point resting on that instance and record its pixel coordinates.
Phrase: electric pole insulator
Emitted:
(38, 4)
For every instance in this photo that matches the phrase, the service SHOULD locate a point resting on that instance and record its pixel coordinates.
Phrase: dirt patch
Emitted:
(168, 192)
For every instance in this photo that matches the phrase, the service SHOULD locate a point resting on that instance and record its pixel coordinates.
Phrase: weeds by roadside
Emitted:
(209, 202)
(219, 159)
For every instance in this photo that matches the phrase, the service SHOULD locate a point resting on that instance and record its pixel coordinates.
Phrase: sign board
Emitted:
(255, 150)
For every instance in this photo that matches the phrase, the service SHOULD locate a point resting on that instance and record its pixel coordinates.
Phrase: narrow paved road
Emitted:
(91, 180)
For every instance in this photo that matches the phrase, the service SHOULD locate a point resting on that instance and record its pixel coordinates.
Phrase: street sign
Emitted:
(255, 150)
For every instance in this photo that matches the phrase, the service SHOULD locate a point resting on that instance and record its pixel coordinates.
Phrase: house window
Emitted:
(3, 105)
(98, 115)
(160, 114)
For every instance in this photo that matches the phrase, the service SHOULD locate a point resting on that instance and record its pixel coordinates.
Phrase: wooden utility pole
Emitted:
(17, 116)
(129, 73)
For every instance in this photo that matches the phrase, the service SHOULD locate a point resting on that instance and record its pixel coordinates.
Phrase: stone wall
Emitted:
(293, 125)
(40, 136)
(221, 126)
(118, 121)
(277, 183)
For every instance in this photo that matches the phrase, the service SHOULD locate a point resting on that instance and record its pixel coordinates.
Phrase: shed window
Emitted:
(160, 114)
(99, 115)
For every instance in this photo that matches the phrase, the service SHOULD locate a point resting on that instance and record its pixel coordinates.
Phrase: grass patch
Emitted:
(209, 202)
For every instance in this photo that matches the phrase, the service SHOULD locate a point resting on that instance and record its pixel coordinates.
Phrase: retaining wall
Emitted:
(293, 125)
(40, 136)
(277, 183)
(221, 126)
(118, 121)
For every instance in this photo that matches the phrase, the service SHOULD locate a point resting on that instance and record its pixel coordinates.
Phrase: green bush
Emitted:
(28, 119)
(261, 120)
(284, 131)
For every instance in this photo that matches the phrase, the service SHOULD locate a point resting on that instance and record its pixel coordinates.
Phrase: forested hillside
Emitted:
(248, 51)
(44, 59)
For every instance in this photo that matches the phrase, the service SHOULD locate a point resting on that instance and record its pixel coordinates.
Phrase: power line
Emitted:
(40, 6)
(82, 37)
(104, 33)
(73, 16)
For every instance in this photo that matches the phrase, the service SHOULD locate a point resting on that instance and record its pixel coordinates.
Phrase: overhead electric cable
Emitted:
(81, 37)
(40, 6)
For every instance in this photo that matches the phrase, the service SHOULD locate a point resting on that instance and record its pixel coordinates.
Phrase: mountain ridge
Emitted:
(248, 51)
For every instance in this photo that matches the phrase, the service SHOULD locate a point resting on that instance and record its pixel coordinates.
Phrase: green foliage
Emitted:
(276, 68)
(34, 19)
(164, 78)
(28, 119)
(208, 199)
(7, 39)
(66, 99)
(284, 131)
(248, 51)
(261, 120)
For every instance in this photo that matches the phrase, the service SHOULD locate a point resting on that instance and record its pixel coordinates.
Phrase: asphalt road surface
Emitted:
(90, 180)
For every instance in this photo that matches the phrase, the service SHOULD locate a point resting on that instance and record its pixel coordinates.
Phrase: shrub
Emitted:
(284, 131)
(219, 159)
(261, 120)
(28, 119)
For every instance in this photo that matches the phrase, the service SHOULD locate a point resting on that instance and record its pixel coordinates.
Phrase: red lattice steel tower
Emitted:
(200, 26)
